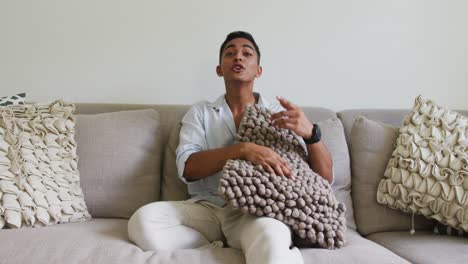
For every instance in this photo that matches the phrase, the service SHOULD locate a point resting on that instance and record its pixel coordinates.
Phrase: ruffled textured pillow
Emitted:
(428, 171)
(306, 204)
(39, 179)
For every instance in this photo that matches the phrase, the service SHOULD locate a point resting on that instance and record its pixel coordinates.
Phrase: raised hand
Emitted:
(292, 118)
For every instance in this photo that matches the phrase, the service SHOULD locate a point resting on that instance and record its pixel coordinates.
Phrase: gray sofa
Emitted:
(127, 160)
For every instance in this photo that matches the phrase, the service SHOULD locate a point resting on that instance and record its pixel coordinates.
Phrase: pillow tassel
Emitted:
(412, 231)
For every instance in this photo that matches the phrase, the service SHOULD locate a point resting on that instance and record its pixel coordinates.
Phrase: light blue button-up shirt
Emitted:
(208, 126)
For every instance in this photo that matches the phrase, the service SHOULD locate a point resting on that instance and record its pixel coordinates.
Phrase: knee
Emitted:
(270, 230)
(141, 215)
(139, 224)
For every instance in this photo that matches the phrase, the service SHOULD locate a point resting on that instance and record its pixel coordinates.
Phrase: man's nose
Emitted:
(238, 57)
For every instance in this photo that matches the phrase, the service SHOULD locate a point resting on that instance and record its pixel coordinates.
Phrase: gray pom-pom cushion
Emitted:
(306, 204)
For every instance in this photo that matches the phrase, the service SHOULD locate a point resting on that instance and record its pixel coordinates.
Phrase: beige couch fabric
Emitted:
(424, 247)
(172, 187)
(334, 138)
(371, 146)
(357, 250)
(429, 167)
(97, 241)
(120, 161)
(39, 178)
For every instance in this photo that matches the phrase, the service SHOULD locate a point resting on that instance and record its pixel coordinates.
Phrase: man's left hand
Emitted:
(292, 118)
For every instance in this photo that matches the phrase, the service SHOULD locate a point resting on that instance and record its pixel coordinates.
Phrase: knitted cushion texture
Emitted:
(306, 204)
(428, 171)
(39, 179)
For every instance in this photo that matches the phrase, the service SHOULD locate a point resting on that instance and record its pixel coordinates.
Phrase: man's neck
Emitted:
(239, 96)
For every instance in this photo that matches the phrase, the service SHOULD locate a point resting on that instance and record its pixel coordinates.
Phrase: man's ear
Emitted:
(219, 71)
(259, 71)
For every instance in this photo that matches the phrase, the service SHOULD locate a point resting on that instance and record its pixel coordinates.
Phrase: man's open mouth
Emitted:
(237, 68)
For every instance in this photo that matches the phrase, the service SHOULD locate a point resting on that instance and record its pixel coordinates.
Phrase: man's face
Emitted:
(239, 61)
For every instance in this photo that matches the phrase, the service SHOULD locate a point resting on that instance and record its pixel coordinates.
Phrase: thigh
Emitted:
(242, 229)
(262, 239)
(186, 224)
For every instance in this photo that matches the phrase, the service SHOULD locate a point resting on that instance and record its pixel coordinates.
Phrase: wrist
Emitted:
(242, 150)
(315, 135)
(309, 133)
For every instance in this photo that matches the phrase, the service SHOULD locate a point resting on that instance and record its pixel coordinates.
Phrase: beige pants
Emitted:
(185, 224)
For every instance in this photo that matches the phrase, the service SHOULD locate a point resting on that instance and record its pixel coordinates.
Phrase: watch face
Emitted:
(317, 135)
(318, 132)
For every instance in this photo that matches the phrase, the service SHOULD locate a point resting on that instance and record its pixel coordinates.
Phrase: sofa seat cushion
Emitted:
(96, 241)
(106, 241)
(356, 250)
(424, 247)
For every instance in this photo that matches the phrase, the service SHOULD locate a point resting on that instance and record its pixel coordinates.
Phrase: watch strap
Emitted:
(316, 135)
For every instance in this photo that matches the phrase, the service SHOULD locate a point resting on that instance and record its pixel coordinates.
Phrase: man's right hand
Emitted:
(267, 158)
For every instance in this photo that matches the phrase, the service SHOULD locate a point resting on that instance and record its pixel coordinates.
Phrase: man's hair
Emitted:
(239, 34)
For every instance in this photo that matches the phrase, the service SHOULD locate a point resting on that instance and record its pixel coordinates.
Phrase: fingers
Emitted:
(285, 114)
(286, 123)
(279, 170)
(280, 167)
(270, 161)
(285, 103)
(285, 169)
(286, 119)
(268, 168)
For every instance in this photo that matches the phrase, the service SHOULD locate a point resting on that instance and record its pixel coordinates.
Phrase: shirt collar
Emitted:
(221, 100)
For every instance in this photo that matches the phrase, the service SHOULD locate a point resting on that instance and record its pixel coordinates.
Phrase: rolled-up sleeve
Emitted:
(192, 137)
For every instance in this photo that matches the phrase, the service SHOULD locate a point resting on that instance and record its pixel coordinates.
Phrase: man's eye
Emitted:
(247, 54)
(230, 53)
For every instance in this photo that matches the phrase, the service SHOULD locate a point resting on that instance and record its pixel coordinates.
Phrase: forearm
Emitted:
(206, 163)
(320, 160)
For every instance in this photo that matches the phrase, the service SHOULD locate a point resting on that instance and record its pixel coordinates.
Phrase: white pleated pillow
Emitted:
(39, 178)
(428, 171)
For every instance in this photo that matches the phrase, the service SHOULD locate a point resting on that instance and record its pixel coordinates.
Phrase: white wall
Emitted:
(337, 54)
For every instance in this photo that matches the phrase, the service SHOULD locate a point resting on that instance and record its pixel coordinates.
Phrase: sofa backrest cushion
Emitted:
(334, 139)
(168, 114)
(120, 161)
(392, 117)
(371, 146)
(172, 188)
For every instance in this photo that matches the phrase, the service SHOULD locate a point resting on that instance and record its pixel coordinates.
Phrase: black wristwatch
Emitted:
(316, 135)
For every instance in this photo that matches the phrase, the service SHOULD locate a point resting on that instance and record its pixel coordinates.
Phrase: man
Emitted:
(207, 141)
